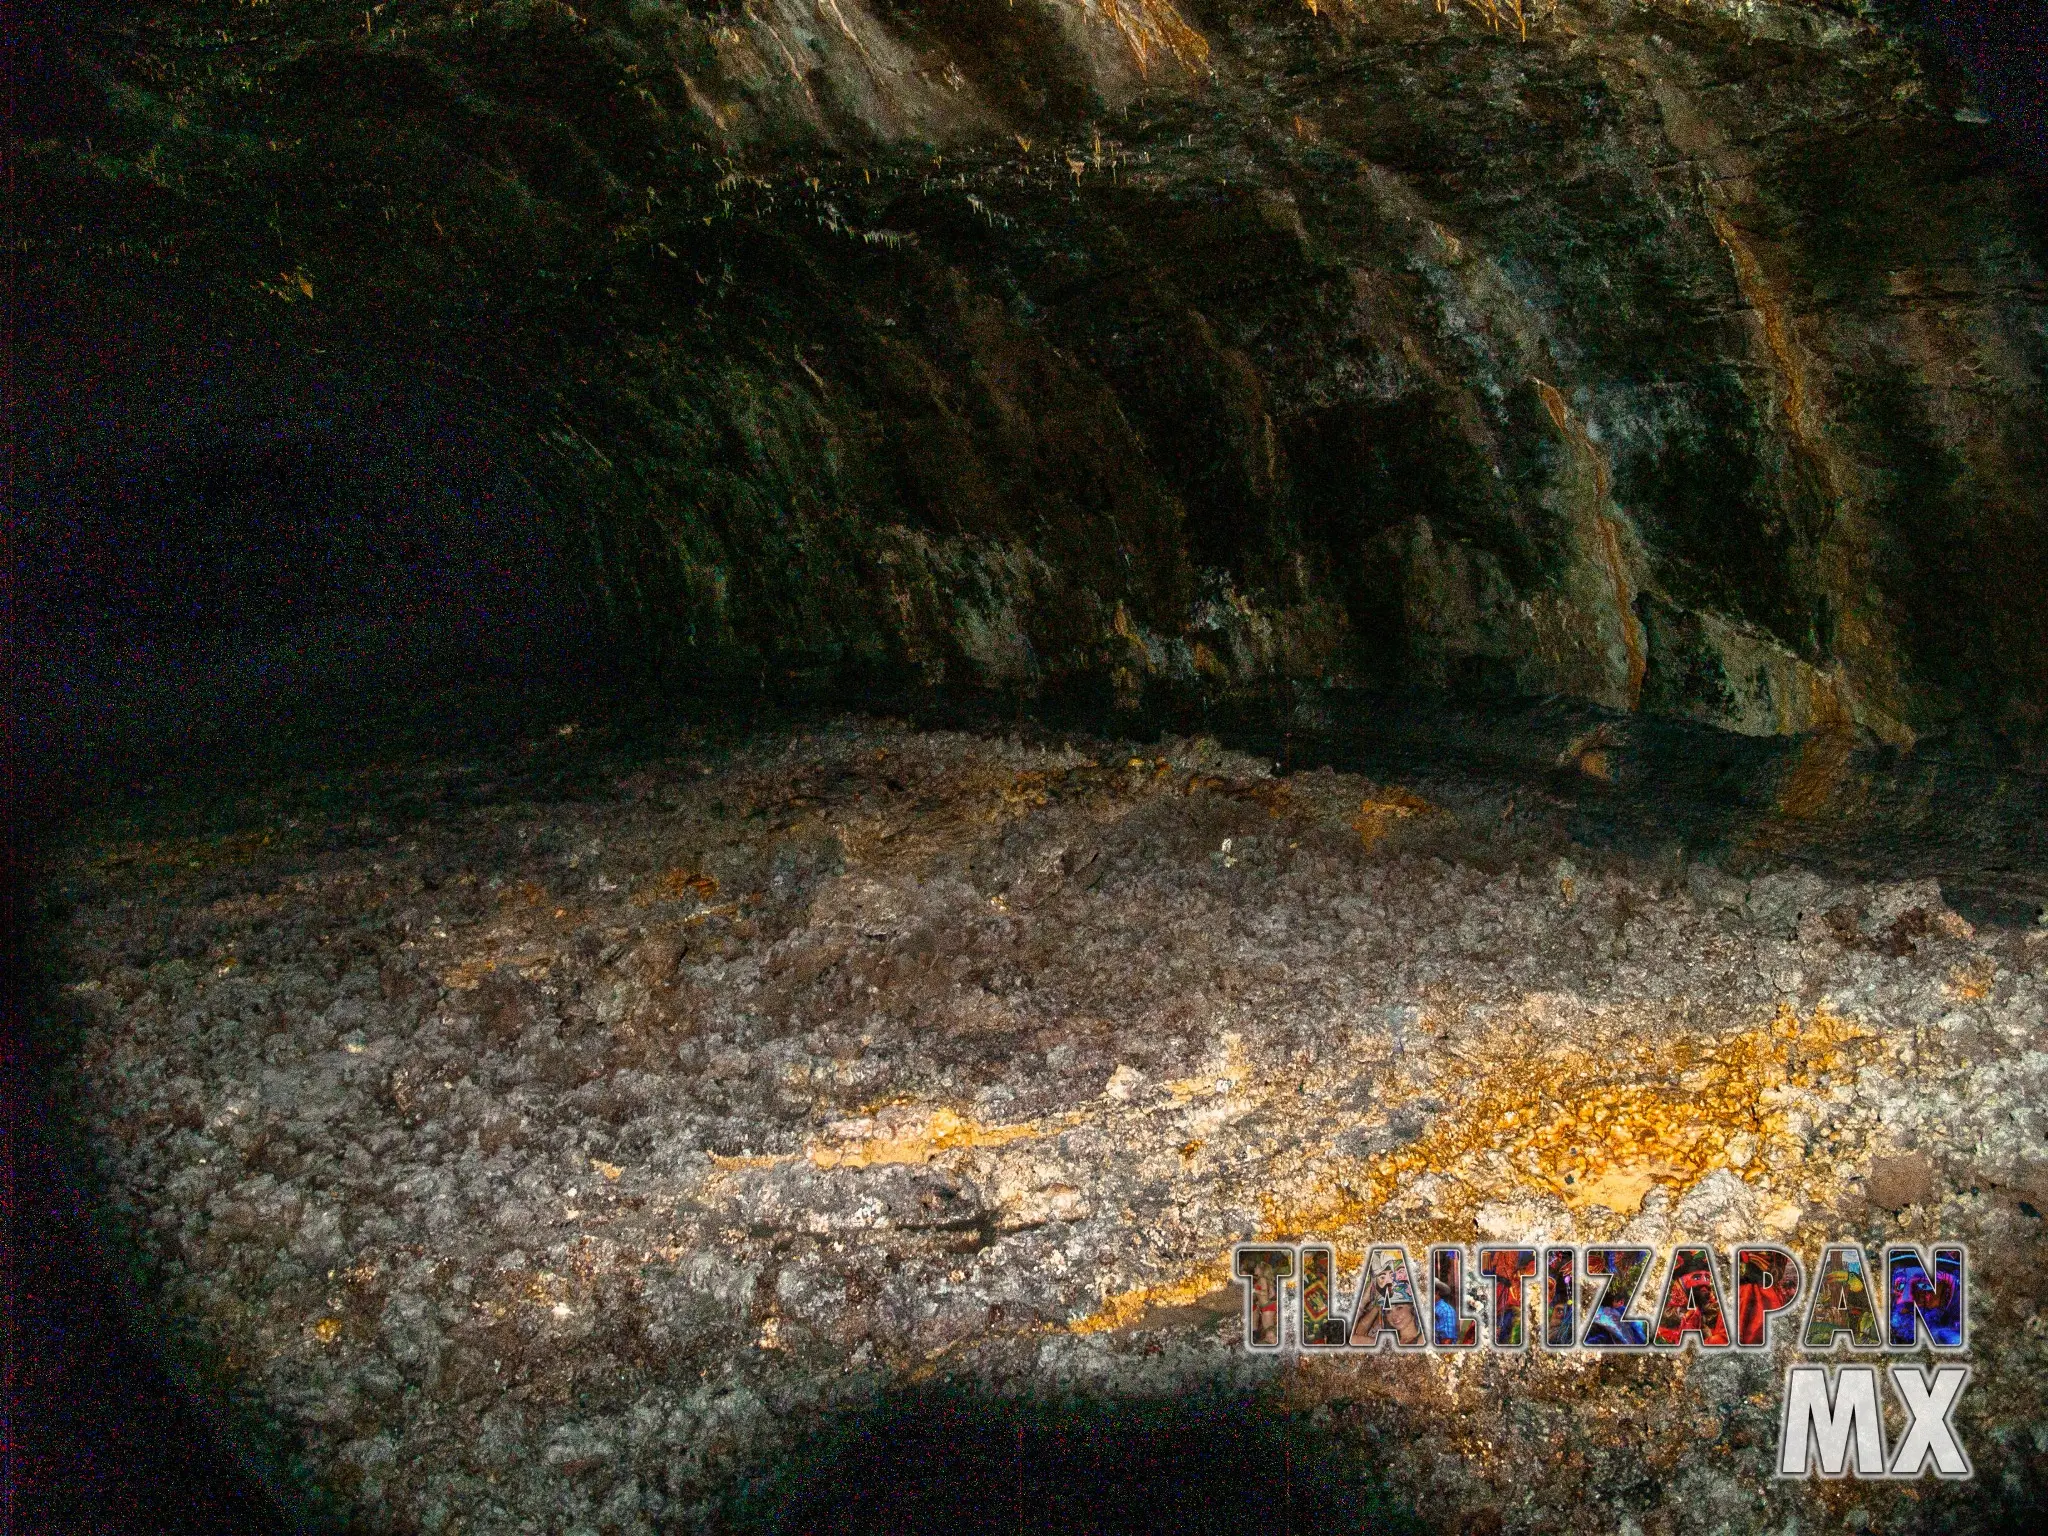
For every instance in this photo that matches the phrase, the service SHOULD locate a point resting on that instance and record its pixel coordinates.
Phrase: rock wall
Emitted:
(1689, 358)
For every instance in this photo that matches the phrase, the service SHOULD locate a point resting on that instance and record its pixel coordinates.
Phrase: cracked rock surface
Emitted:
(543, 1163)
(1681, 356)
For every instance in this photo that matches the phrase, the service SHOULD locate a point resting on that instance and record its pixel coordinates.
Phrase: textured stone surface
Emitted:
(547, 1163)
(1897, 1182)
(1684, 357)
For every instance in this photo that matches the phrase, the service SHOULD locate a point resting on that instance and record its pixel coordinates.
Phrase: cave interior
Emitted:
(737, 722)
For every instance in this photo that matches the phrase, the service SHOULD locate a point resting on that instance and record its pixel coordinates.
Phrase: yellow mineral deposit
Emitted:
(1593, 1122)
(914, 1135)
(1380, 811)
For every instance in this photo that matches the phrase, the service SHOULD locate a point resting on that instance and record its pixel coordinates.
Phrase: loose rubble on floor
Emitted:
(541, 1163)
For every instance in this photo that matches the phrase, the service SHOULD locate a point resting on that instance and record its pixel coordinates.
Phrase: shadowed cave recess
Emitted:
(744, 720)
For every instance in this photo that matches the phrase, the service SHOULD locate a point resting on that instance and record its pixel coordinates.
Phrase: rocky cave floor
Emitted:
(543, 1162)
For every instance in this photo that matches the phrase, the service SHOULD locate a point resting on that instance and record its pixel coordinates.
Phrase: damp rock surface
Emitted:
(1673, 355)
(547, 1163)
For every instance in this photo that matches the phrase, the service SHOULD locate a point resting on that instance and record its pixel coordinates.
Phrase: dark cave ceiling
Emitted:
(1685, 358)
